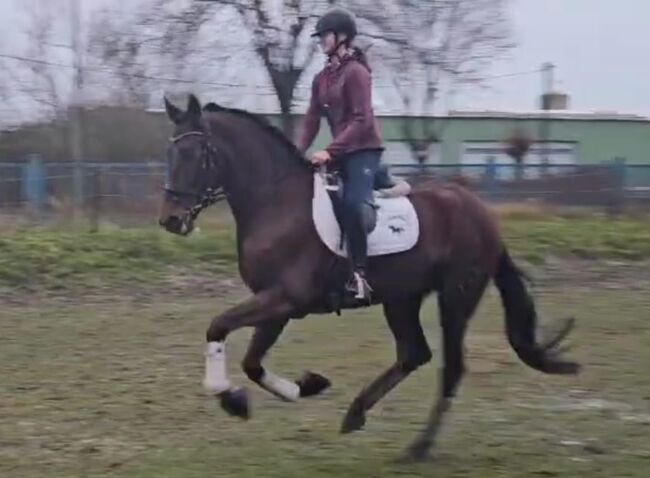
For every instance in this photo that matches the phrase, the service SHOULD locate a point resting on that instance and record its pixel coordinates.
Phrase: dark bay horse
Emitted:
(222, 152)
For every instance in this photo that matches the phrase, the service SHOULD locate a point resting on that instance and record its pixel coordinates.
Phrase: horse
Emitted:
(225, 153)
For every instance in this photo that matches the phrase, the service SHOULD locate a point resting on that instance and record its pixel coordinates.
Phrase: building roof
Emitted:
(549, 114)
(571, 115)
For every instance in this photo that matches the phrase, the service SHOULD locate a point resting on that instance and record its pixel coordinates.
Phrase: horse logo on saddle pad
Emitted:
(397, 228)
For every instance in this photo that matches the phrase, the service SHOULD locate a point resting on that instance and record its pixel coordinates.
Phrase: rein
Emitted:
(209, 195)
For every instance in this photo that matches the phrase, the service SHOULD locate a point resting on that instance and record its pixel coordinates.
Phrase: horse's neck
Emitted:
(257, 194)
(264, 178)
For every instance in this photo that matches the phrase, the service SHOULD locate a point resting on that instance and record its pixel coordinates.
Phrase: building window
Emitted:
(479, 153)
(400, 153)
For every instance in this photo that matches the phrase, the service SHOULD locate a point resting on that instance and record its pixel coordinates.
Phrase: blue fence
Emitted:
(135, 186)
(40, 185)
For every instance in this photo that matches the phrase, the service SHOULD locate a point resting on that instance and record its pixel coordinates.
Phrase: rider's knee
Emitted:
(350, 202)
(360, 210)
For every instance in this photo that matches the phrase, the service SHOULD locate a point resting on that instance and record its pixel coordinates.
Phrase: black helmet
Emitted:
(337, 20)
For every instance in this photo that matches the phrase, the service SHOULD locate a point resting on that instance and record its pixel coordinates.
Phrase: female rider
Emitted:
(342, 93)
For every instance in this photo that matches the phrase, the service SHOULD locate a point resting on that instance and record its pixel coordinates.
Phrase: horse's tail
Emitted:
(521, 321)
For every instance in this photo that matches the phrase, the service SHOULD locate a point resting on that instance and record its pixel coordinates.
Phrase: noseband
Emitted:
(209, 195)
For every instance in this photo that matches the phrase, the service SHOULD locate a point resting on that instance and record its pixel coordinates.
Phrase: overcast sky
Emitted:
(600, 49)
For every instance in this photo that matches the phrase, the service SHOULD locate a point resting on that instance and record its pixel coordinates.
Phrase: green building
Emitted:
(476, 137)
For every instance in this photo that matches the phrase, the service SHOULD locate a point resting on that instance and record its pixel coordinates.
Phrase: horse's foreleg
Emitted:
(263, 339)
(266, 307)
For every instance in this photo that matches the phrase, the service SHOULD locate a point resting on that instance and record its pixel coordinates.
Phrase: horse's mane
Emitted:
(263, 123)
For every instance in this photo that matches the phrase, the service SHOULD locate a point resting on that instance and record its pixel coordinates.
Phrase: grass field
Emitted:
(60, 258)
(110, 386)
(104, 380)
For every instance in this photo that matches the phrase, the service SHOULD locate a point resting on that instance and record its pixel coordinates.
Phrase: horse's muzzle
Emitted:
(177, 225)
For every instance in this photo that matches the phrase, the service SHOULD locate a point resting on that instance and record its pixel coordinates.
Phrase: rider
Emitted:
(342, 93)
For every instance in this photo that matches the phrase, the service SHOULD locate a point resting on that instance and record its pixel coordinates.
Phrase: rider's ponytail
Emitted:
(360, 56)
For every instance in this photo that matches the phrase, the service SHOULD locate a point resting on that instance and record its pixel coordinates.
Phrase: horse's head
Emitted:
(193, 178)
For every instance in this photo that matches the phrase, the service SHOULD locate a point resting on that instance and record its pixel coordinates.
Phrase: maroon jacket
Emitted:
(342, 93)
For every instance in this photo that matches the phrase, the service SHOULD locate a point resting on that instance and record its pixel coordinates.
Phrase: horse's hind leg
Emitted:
(412, 351)
(263, 339)
(457, 302)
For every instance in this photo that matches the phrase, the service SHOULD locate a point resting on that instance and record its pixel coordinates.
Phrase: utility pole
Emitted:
(76, 126)
(548, 71)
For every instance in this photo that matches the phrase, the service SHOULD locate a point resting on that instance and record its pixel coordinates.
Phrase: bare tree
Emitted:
(434, 46)
(278, 33)
(118, 66)
(34, 79)
(423, 46)
(516, 146)
(31, 72)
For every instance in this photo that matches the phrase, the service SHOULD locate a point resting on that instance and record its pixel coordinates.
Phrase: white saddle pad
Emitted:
(397, 228)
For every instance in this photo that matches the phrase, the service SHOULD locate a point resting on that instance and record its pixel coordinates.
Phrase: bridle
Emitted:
(209, 195)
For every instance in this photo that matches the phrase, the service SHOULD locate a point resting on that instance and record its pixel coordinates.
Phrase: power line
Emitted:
(118, 74)
(185, 81)
(508, 75)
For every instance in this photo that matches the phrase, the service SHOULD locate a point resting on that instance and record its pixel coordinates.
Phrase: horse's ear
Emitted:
(175, 114)
(193, 107)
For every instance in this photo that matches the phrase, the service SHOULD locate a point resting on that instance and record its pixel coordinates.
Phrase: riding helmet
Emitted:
(337, 20)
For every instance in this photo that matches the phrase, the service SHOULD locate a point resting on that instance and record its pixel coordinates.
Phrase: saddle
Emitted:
(393, 227)
(392, 222)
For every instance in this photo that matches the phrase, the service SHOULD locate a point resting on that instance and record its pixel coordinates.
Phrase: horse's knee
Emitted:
(416, 359)
(216, 331)
(253, 369)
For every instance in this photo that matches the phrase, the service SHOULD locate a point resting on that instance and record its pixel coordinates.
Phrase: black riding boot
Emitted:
(357, 242)
(359, 170)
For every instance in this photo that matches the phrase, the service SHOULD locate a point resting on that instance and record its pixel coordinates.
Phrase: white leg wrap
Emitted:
(216, 378)
(281, 387)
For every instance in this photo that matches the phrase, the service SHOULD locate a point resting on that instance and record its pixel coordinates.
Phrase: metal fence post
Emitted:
(78, 179)
(34, 183)
(618, 170)
(491, 177)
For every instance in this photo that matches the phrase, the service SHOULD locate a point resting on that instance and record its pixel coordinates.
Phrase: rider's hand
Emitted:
(320, 157)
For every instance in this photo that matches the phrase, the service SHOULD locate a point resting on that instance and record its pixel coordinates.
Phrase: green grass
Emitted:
(585, 237)
(111, 388)
(55, 258)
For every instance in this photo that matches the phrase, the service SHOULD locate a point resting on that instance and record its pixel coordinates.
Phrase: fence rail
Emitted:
(133, 188)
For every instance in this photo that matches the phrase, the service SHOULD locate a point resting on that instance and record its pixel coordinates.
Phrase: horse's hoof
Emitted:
(410, 458)
(312, 384)
(354, 420)
(236, 403)
(418, 452)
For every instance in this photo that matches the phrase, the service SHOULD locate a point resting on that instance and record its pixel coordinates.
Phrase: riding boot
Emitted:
(357, 242)
(358, 174)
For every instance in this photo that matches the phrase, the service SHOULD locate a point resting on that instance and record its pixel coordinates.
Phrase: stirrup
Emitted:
(359, 286)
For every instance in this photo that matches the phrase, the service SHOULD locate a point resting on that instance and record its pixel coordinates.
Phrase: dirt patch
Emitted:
(560, 272)
(178, 282)
(173, 283)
